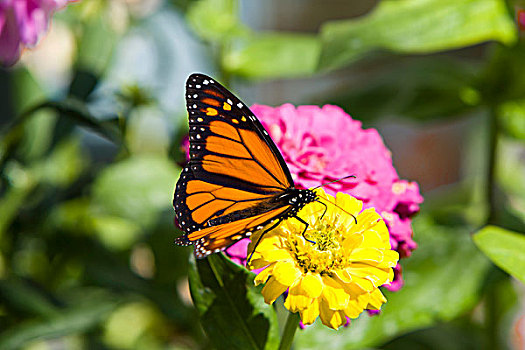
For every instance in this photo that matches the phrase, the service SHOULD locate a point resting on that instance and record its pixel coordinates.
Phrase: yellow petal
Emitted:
(363, 283)
(309, 314)
(376, 300)
(257, 263)
(312, 285)
(272, 290)
(390, 276)
(353, 310)
(268, 243)
(349, 203)
(390, 258)
(277, 255)
(372, 239)
(363, 299)
(344, 276)
(286, 273)
(374, 274)
(310, 214)
(366, 254)
(382, 230)
(367, 219)
(296, 301)
(334, 294)
(263, 276)
(331, 318)
(352, 289)
(302, 292)
(352, 241)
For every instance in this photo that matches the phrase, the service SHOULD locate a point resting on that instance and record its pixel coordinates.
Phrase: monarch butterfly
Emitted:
(236, 180)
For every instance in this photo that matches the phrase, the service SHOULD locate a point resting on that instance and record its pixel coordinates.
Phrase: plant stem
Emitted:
(292, 321)
(491, 295)
(492, 313)
(491, 166)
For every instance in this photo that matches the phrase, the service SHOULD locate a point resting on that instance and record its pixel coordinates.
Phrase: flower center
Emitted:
(324, 253)
(325, 236)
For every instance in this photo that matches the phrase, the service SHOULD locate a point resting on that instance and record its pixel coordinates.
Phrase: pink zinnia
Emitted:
(324, 144)
(22, 22)
(520, 14)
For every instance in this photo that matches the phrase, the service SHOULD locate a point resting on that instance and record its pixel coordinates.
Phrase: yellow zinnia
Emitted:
(336, 271)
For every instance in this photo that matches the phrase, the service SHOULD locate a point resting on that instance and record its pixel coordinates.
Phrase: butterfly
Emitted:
(236, 181)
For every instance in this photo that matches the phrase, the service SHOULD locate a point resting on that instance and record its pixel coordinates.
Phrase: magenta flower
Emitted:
(324, 144)
(520, 15)
(22, 22)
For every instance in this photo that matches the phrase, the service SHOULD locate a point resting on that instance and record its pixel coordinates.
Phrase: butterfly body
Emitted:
(294, 197)
(236, 181)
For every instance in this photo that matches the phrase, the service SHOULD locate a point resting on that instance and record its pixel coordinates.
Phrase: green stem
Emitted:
(292, 321)
(491, 295)
(491, 166)
(491, 317)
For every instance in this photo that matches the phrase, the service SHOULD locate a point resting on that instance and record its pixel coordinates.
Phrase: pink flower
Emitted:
(237, 252)
(520, 15)
(22, 22)
(324, 144)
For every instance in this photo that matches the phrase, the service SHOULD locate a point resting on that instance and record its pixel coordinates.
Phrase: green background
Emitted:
(90, 150)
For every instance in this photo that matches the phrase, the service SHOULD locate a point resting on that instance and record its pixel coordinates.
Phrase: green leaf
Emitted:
(512, 116)
(147, 322)
(231, 309)
(216, 20)
(504, 77)
(97, 42)
(416, 26)
(505, 248)
(63, 166)
(14, 197)
(146, 131)
(72, 109)
(272, 55)
(137, 188)
(115, 232)
(510, 170)
(89, 310)
(39, 130)
(443, 279)
(78, 112)
(430, 88)
(26, 298)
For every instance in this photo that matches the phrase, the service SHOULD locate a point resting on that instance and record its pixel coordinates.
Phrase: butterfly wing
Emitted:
(234, 165)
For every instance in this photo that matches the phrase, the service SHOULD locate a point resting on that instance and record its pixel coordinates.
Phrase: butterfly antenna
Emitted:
(331, 182)
(355, 219)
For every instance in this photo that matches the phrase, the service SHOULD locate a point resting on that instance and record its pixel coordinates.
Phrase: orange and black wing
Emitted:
(234, 166)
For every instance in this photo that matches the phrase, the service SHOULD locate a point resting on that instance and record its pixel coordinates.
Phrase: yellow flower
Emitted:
(335, 272)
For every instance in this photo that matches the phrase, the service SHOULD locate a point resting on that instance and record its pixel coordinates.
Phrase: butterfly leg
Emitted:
(259, 239)
(325, 209)
(305, 228)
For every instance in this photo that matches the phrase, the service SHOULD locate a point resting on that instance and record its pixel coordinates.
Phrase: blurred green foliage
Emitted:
(88, 173)
(231, 308)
